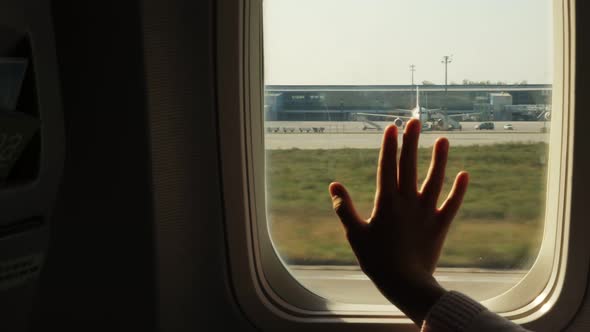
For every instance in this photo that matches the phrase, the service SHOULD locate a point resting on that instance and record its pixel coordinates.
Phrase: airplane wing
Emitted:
(439, 113)
(461, 115)
(454, 115)
(386, 115)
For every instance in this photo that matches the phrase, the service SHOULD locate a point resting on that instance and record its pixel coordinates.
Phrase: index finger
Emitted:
(387, 167)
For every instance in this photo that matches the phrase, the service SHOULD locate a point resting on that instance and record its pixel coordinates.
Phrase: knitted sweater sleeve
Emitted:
(455, 312)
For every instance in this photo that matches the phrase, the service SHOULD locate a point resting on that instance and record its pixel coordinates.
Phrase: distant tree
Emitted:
(453, 83)
(501, 83)
(427, 83)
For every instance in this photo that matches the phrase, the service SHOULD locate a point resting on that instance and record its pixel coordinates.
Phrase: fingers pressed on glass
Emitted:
(343, 206)
(436, 173)
(407, 175)
(451, 205)
(387, 167)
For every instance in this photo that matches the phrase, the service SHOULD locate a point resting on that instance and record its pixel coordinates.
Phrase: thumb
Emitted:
(342, 204)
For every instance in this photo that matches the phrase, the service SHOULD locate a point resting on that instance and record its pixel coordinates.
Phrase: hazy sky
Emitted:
(375, 41)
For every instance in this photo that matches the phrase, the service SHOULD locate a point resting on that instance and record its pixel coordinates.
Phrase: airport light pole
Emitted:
(412, 70)
(446, 60)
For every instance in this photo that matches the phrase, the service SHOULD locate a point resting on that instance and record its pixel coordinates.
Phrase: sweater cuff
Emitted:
(452, 312)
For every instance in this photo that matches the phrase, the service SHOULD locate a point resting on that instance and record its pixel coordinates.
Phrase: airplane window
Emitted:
(480, 73)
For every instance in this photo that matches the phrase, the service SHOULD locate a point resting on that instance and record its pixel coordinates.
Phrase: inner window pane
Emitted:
(339, 71)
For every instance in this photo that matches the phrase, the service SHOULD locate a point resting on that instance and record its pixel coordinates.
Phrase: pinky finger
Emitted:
(453, 202)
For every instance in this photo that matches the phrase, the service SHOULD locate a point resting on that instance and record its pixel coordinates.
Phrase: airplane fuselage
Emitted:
(421, 114)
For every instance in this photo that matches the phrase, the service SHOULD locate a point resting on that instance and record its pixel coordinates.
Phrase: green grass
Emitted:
(498, 225)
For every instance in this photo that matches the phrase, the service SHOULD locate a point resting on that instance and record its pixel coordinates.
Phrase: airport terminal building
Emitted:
(342, 102)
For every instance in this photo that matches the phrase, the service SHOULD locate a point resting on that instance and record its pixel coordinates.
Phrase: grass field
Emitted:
(498, 226)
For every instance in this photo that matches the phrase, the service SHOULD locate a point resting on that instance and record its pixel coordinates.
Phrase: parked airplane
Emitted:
(436, 119)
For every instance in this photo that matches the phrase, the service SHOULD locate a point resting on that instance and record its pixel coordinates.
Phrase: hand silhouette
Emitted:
(399, 245)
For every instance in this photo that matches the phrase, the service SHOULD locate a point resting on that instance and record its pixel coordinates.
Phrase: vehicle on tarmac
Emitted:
(508, 126)
(485, 125)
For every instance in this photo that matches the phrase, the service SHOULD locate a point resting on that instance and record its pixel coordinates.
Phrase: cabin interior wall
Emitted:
(193, 278)
(99, 272)
(581, 321)
(137, 237)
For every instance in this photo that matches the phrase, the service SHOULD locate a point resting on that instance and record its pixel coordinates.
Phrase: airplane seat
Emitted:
(31, 154)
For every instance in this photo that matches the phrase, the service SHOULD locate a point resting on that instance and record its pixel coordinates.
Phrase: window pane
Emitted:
(337, 72)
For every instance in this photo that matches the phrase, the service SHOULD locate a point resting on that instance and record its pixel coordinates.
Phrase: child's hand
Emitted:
(399, 245)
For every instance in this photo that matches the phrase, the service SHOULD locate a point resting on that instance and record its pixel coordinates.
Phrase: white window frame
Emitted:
(271, 297)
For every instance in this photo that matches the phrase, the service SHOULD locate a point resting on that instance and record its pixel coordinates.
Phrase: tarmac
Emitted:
(339, 135)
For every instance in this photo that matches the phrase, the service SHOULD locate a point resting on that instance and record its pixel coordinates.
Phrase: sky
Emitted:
(364, 42)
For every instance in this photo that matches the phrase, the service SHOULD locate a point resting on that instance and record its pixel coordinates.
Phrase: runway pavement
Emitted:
(337, 135)
(350, 285)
